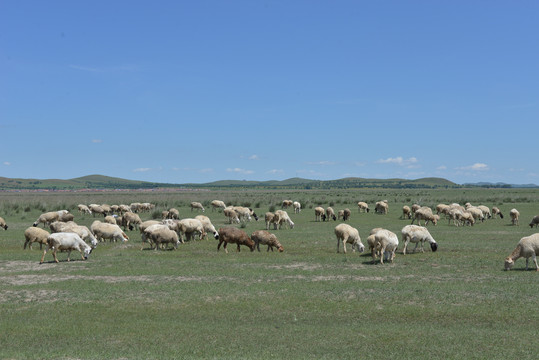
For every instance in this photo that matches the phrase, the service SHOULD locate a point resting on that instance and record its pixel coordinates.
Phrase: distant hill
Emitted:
(501, 185)
(110, 183)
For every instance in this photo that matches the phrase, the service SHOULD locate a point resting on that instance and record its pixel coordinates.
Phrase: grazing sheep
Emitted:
(417, 234)
(47, 218)
(297, 207)
(3, 223)
(347, 234)
(346, 214)
(35, 234)
(143, 226)
(245, 213)
(81, 230)
(476, 213)
(83, 209)
(68, 242)
(381, 207)
(173, 213)
(97, 209)
(371, 241)
(362, 207)
(514, 214)
(208, 226)
(330, 213)
(197, 206)
(234, 236)
(131, 220)
(386, 242)
(425, 213)
(109, 219)
(122, 208)
(161, 234)
(442, 209)
(340, 214)
(189, 227)
(496, 211)
(318, 213)
(527, 247)
(232, 215)
(217, 204)
(286, 204)
(268, 217)
(485, 210)
(535, 221)
(281, 217)
(406, 212)
(265, 238)
(103, 231)
(467, 218)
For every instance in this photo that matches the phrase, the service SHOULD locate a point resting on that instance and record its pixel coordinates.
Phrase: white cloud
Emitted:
(475, 167)
(240, 171)
(443, 167)
(323, 163)
(276, 171)
(399, 160)
(85, 68)
(97, 141)
(141, 169)
(253, 157)
(7, 163)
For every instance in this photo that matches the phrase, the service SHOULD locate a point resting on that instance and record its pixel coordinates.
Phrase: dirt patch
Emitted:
(26, 296)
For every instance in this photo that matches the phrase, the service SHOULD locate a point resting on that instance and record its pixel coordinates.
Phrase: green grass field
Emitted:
(305, 303)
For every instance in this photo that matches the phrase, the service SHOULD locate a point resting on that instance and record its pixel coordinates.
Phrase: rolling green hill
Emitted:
(109, 183)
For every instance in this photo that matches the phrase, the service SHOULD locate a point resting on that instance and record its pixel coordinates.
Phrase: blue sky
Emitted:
(198, 91)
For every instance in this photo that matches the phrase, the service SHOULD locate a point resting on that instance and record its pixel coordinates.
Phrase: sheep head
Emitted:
(433, 246)
(509, 263)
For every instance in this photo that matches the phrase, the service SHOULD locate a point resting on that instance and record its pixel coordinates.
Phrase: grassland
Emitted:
(307, 302)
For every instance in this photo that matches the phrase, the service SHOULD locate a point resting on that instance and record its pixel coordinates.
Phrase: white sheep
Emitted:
(189, 227)
(265, 238)
(330, 214)
(297, 207)
(442, 209)
(131, 220)
(161, 234)
(535, 221)
(218, 204)
(362, 207)
(122, 208)
(35, 234)
(66, 242)
(381, 207)
(143, 226)
(425, 213)
(197, 206)
(109, 219)
(47, 218)
(514, 216)
(476, 213)
(81, 230)
(347, 234)
(208, 226)
(268, 217)
(244, 213)
(286, 204)
(83, 209)
(485, 210)
(527, 247)
(386, 242)
(173, 213)
(103, 231)
(418, 235)
(232, 215)
(3, 223)
(406, 212)
(282, 218)
(97, 209)
(319, 214)
(496, 211)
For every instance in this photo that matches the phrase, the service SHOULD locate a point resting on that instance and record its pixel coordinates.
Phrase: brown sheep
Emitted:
(265, 238)
(234, 236)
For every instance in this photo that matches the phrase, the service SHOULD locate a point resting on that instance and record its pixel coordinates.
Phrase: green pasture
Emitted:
(305, 303)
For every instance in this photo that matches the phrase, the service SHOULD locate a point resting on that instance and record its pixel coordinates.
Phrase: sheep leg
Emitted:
(54, 255)
(417, 243)
(405, 245)
(43, 257)
(534, 258)
(382, 254)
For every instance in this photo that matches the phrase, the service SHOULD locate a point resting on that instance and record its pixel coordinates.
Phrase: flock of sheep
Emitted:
(66, 235)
